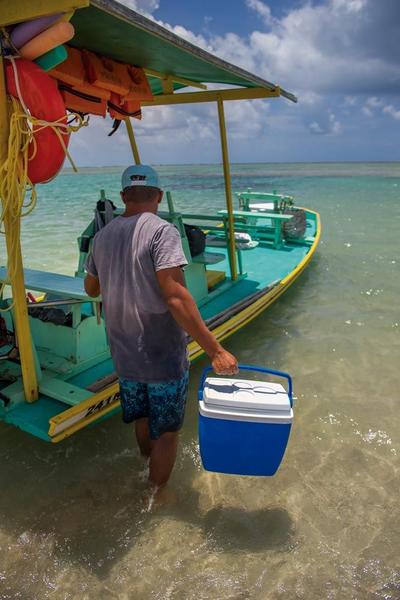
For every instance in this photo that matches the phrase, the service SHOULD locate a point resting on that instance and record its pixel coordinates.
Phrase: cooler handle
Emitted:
(249, 368)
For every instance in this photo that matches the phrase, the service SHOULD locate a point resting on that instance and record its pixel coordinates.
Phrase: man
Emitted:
(136, 264)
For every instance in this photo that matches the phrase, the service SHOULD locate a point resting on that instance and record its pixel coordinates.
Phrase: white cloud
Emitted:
(350, 101)
(328, 125)
(367, 111)
(374, 102)
(146, 7)
(263, 11)
(351, 6)
(390, 110)
(337, 46)
(335, 125)
(334, 54)
(316, 127)
(310, 98)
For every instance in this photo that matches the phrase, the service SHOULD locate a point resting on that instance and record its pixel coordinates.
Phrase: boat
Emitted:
(56, 373)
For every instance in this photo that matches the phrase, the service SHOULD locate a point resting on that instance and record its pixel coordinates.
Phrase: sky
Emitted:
(340, 57)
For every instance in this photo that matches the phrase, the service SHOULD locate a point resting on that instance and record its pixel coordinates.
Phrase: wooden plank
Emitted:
(17, 11)
(213, 96)
(64, 391)
(259, 196)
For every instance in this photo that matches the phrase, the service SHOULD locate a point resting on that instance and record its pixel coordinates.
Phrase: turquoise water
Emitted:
(73, 520)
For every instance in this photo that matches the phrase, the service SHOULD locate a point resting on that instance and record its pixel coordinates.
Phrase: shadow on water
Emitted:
(88, 508)
(242, 530)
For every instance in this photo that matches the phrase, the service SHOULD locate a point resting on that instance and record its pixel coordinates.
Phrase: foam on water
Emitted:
(73, 520)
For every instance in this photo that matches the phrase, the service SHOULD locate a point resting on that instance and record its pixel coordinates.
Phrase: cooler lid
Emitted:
(247, 395)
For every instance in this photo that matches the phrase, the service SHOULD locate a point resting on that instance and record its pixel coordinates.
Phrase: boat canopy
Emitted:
(111, 29)
(105, 23)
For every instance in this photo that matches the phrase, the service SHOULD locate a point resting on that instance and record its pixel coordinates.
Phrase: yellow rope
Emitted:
(17, 193)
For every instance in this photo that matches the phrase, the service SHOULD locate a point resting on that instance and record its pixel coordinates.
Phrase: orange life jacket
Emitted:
(72, 72)
(77, 101)
(140, 87)
(120, 108)
(106, 73)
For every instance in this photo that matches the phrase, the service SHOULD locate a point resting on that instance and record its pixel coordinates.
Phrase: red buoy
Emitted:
(42, 98)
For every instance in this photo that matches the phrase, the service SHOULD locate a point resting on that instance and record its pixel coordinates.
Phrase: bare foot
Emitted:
(158, 496)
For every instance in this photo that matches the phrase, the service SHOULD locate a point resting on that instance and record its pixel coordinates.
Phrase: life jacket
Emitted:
(72, 72)
(88, 84)
(77, 101)
(140, 87)
(120, 108)
(78, 94)
(106, 73)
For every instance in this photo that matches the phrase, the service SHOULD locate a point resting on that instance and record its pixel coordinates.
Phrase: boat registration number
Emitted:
(101, 404)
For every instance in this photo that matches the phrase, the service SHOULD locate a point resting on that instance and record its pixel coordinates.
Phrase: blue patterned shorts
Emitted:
(163, 403)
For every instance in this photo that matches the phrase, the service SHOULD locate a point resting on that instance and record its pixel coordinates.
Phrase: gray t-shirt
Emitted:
(147, 344)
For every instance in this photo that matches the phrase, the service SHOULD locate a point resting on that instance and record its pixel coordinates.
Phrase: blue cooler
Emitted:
(244, 425)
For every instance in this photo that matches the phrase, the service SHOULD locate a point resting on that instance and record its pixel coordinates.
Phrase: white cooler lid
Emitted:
(245, 395)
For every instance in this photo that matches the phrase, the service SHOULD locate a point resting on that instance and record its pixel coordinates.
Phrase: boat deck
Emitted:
(262, 265)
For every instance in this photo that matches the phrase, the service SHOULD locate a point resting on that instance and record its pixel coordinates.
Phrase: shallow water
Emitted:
(75, 521)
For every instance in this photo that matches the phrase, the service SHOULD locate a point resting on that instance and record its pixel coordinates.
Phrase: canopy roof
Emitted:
(111, 29)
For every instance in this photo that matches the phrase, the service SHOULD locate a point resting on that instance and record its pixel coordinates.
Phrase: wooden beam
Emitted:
(17, 11)
(167, 85)
(228, 190)
(213, 96)
(132, 140)
(175, 78)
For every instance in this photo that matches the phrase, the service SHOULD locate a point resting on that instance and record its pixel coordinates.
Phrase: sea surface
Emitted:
(75, 522)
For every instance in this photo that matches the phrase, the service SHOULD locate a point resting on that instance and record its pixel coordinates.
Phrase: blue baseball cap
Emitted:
(140, 175)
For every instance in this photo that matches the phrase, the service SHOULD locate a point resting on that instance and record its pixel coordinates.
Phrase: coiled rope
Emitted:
(17, 193)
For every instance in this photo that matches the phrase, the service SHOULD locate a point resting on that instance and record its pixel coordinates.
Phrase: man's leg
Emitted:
(143, 436)
(166, 411)
(162, 457)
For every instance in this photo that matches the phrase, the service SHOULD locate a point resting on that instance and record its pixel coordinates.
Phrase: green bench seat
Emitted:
(276, 218)
(246, 198)
(51, 283)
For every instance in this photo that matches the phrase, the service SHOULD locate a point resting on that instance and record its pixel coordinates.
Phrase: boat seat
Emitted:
(214, 278)
(261, 206)
(243, 216)
(274, 200)
(51, 283)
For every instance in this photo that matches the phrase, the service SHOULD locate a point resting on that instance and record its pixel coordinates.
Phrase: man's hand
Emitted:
(224, 363)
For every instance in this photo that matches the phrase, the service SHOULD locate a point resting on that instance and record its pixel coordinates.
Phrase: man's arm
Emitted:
(92, 286)
(185, 312)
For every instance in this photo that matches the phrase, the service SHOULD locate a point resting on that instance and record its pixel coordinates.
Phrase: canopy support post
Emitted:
(228, 190)
(23, 332)
(132, 141)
